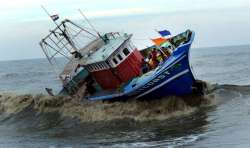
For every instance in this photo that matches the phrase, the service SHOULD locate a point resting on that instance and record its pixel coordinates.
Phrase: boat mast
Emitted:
(87, 20)
(90, 24)
(64, 33)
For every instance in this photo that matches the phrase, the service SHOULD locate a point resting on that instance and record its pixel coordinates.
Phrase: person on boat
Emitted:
(144, 66)
(153, 60)
(167, 51)
(170, 49)
(151, 63)
(161, 57)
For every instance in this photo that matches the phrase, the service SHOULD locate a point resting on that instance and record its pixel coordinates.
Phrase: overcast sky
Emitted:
(216, 23)
(23, 10)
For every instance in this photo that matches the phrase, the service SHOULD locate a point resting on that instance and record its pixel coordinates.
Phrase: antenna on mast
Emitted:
(87, 20)
(52, 17)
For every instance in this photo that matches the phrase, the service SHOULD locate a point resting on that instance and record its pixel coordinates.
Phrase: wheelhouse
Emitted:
(116, 62)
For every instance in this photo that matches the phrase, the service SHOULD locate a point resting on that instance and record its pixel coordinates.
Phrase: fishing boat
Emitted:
(109, 66)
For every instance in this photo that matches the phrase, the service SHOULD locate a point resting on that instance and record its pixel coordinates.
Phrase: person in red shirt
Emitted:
(153, 55)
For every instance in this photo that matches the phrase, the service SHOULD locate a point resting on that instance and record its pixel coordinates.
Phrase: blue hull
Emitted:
(173, 77)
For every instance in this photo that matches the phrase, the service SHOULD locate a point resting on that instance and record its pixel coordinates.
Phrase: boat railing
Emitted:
(181, 38)
(65, 39)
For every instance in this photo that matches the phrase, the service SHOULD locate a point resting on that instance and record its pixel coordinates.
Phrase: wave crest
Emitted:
(87, 111)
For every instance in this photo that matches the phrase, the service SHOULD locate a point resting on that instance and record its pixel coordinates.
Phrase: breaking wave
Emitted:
(88, 111)
(12, 105)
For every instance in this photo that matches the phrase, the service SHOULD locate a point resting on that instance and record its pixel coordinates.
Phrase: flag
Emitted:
(164, 33)
(159, 41)
(54, 17)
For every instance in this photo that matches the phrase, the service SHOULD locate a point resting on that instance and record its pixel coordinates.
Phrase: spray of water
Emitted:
(87, 111)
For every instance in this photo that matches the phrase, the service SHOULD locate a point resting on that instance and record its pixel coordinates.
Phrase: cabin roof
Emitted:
(71, 65)
(106, 50)
(100, 53)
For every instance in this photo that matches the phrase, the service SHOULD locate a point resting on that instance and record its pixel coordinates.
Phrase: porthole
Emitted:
(115, 61)
(119, 57)
(125, 51)
(95, 67)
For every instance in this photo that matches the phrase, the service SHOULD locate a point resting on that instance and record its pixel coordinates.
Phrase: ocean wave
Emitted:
(170, 143)
(87, 111)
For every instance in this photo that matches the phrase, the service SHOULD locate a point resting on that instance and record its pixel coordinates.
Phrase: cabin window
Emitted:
(125, 51)
(104, 65)
(88, 68)
(115, 61)
(91, 68)
(100, 65)
(119, 57)
(97, 66)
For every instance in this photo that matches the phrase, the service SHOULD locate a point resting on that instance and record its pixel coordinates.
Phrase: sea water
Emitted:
(30, 118)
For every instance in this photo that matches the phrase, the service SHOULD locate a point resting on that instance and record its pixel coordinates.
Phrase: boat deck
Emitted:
(141, 80)
(72, 64)
(135, 83)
